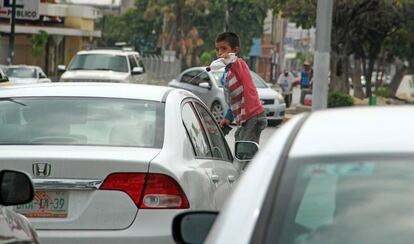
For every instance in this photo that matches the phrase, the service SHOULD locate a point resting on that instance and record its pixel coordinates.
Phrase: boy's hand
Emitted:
(224, 122)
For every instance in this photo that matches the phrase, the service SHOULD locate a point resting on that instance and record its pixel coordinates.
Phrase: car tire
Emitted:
(274, 122)
(217, 111)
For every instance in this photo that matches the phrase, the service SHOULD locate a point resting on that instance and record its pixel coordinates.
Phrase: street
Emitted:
(265, 136)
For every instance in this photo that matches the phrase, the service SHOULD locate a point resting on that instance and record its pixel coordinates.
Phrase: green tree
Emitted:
(39, 41)
(133, 28)
(359, 30)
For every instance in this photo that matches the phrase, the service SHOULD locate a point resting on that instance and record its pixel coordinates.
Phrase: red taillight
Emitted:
(150, 191)
(130, 183)
(162, 191)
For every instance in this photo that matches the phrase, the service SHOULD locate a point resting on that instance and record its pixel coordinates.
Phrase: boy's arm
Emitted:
(240, 69)
(229, 115)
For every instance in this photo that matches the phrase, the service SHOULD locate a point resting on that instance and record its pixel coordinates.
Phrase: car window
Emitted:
(219, 146)
(195, 131)
(366, 201)
(194, 77)
(132, 62)
(21, 72)
(140, 62)
(99, 62)
(81, 121)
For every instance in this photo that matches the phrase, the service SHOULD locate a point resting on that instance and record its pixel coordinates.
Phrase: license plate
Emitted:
(46, 204)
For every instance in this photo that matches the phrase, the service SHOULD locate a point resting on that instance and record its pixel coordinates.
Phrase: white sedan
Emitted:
(113, 163)
(338, 176)
(26, 74)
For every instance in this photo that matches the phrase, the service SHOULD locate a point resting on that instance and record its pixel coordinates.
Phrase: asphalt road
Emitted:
(264, 137)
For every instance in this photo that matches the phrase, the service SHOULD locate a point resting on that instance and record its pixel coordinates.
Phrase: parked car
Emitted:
(15, 188)
(207, 86)
(26, 74)
(3, 78)
(105, 66)
(321, 180)
(114, 163)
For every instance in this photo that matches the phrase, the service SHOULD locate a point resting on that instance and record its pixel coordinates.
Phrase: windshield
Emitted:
(116, 63)
(81, 121)
(346, 202)
(258, 81)
(21, 72)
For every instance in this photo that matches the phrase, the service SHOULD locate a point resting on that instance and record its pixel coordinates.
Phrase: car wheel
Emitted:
(274, 122)
(217, 111)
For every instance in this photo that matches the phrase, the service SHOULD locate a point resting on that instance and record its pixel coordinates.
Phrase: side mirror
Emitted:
(41, 76)
(15, 188)
(137, 70)
(4, 78)
(61, 68)
(245, 150)
(205, 85)
(193, 227)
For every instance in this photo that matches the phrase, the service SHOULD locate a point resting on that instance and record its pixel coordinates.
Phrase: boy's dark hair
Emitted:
(230, 37)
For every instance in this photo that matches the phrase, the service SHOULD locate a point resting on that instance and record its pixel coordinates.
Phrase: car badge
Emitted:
(41, 169)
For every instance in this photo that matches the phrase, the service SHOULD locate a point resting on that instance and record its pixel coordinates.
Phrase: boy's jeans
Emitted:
(251, 129)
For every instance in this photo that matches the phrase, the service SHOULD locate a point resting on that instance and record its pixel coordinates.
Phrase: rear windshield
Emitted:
(21, 72)
(347, 201)
(99, 62)
(81, 121)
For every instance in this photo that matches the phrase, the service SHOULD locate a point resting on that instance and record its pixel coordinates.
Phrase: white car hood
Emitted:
(267, 93)
(95, 74)
(14, 80)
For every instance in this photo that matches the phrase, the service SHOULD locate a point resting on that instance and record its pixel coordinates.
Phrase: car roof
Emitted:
(107, 51)
(80, 89)
(23, 66)
(362, 130)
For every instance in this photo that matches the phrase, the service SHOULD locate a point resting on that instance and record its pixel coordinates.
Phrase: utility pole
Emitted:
(226, 17)
(272, 52)
(322, 54)
(12, 34)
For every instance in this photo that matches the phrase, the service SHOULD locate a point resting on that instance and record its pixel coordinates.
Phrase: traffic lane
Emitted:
(264, 137)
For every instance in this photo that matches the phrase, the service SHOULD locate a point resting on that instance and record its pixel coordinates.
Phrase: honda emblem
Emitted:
(41, 169)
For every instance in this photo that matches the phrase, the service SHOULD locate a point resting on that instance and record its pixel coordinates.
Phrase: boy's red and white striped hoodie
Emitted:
(241, 93)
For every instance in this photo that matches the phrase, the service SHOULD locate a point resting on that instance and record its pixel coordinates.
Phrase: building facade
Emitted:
(69, 28)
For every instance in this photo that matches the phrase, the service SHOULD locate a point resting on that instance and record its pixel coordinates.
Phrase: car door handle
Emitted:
(231, 178)
(215, 178)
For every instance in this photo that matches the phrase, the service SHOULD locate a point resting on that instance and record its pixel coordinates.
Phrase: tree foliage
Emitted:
(187, 26)
(361, 29)
(39, 41)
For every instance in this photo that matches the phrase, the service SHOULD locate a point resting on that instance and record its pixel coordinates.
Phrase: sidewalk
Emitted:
(295, 109)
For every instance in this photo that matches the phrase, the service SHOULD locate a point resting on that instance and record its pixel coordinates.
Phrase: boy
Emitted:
(242, 98)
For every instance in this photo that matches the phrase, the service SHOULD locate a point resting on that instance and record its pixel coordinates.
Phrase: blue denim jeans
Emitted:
(251, 129)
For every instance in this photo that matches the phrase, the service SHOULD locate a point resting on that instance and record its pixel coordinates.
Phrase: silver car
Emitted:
(113, 163)
(323, 178)
(207, 86)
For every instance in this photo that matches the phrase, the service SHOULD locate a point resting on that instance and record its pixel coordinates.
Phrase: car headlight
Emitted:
(280, 98)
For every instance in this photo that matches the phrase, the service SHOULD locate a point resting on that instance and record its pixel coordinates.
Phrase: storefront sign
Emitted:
(25, 9)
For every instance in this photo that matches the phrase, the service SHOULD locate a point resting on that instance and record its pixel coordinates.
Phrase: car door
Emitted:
(219, 147)
(219, 186)
(198, 81)
(133, 64)
(141, 78)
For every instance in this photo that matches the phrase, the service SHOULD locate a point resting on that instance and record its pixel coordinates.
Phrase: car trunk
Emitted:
(67, 181)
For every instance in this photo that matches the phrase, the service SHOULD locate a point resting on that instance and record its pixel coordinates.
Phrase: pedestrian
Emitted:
(285, 81)
(306, 78)
(245, 107)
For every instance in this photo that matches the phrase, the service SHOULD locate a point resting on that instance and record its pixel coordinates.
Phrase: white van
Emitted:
(105, 66)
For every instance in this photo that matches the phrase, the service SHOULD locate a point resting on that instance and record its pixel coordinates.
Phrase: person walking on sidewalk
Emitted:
(245, 107)
(285, 81)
